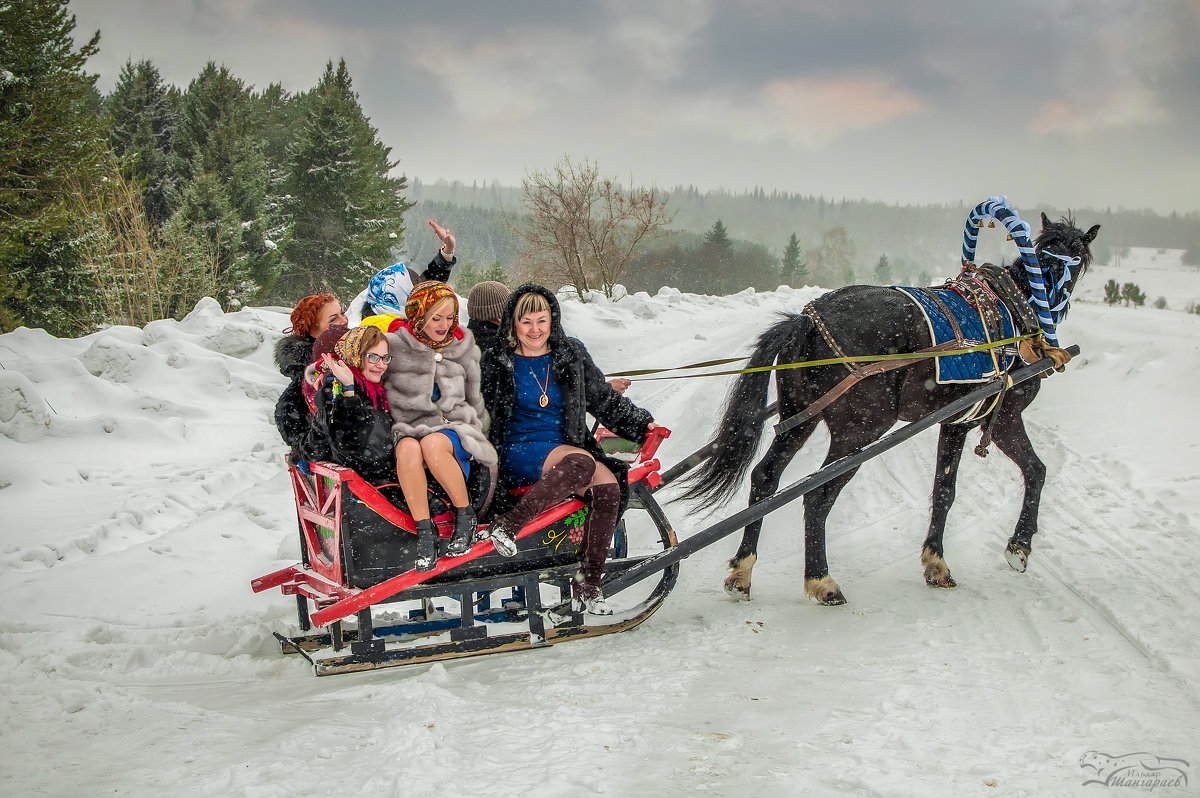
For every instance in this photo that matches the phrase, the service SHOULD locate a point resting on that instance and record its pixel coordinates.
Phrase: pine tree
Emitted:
(1112, 293)
(345, 213)
(220, 148)
(1133, 295)
(837, 256)
(883, 271)
(51, 138)
(142, 131)
(794, 269)
(716, 262)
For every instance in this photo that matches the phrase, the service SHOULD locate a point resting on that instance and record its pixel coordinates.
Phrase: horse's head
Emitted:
(1064, 251)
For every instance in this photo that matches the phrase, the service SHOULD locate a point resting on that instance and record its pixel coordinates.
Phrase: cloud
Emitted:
(1120, 106)
(803, 111)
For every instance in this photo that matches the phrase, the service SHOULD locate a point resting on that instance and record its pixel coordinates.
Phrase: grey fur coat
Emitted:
(409, 384)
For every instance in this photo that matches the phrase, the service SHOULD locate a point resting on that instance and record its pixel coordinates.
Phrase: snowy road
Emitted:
(137, 662)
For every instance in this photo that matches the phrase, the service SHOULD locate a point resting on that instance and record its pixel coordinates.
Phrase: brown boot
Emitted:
(569, 476)
(597, 537)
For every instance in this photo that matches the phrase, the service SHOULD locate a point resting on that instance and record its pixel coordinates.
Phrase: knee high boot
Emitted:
(597, 537)
(570, 475)
(598, 531)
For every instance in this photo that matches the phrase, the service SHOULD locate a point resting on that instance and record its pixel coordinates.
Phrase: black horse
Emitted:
(865, 319)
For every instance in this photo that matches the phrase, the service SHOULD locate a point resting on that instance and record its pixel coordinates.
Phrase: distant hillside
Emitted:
(919, 241)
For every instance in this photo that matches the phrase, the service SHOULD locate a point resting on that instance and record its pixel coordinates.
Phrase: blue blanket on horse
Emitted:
(972, 367)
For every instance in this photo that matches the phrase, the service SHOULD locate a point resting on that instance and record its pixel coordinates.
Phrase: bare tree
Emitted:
(584, 229)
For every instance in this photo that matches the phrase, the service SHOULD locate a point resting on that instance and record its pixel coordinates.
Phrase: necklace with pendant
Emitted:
(544, 399)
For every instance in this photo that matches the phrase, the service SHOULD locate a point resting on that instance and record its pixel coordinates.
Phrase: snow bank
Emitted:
(143, 487)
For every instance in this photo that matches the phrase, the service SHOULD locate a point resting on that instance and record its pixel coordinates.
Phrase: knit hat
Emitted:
(389, 289)
(327, 340)
(325, 344)
(486, 301)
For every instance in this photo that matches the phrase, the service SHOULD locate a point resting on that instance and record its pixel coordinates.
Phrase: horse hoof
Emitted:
(736, 590)
(937, 573)
(737, 584)
(943, 580)
(824, 591)
(834, 599)
(1017, 555)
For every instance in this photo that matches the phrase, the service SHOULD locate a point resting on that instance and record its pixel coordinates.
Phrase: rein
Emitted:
(829, 361)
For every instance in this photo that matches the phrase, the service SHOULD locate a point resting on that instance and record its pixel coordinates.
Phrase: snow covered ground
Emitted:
(142, 488)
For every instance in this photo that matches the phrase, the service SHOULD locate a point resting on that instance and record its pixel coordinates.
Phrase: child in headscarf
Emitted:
(438, 417)
(351, 415)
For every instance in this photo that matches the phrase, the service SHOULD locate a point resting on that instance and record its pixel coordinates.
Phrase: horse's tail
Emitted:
(733, 448)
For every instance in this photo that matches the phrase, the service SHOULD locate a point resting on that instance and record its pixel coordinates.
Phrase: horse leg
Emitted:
(848, 435)
(1012, 439)
(763, 482)
(951, 439)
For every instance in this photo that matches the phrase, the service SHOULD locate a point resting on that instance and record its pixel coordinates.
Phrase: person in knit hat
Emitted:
(438, 418)
(485, 306)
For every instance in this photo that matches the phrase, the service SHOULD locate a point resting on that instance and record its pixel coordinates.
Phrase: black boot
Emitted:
(465, 523)
(572, 474)
(427, 542)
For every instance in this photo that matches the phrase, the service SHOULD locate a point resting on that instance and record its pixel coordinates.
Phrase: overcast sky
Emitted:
(1065, 103)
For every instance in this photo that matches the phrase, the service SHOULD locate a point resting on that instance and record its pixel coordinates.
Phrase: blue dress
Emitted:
(460, 454)
(534, 431)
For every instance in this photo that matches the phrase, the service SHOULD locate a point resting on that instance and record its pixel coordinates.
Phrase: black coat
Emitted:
(583, 387)
(292, 355)
(356, 434)
(487, 334)
(294, 421)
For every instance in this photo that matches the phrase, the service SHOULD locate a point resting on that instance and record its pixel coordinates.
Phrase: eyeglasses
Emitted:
(374, 358)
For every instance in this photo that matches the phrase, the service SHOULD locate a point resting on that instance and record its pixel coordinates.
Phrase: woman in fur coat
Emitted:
(539, 387)
(312, 316)
(438, 418)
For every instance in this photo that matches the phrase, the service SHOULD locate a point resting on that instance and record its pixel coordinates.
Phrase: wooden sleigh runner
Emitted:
(362, 605)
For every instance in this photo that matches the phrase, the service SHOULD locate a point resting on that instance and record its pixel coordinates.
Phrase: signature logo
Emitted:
(1141, 769)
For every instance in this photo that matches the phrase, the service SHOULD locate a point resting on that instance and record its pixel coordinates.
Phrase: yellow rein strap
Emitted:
(831, 361)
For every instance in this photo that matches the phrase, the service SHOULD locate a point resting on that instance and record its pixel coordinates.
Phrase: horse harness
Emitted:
(982, 286)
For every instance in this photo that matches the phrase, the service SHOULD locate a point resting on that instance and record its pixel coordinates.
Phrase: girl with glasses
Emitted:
(351, 416)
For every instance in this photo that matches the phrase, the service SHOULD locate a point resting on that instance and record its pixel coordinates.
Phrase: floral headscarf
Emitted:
(425, 296)
(351, 349)
(389, 288)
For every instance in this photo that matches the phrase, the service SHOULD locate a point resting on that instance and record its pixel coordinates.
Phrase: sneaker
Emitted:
(588, 598)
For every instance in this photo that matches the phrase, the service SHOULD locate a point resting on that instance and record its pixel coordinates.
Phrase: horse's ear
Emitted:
(1090, 235)
(1045, 220)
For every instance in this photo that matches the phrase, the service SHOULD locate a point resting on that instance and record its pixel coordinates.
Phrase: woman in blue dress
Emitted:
(539, 387)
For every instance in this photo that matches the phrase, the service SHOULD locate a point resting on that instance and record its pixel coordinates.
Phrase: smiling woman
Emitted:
(351, 418)
(539, 389)
(437, 413)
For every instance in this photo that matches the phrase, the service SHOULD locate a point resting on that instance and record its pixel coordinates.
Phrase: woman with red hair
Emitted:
(312, 316)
